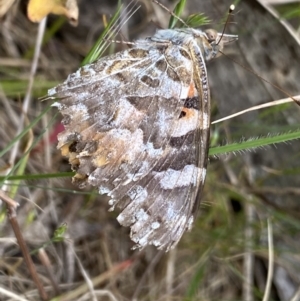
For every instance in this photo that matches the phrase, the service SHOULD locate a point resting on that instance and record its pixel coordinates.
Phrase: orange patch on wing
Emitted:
(192, 91)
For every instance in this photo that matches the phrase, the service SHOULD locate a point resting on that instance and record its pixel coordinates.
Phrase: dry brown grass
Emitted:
(224, 257)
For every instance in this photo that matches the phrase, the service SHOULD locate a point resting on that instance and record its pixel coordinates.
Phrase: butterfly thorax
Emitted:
(208, 41)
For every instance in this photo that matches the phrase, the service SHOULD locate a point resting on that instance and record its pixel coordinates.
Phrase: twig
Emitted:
(9, 201)
(258, 107)
(44, 259)
(87, 279)
(101, 294)
(248, 256)
(11, 295)
(26, 101)
(12, 215)
(148, 271)
(116, 270)
(271, 262)
(296, 296)
(170, 274)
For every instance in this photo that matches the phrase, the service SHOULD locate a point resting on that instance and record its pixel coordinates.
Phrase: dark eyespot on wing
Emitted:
(192, 103)
(161, 65)
(177, 142)
(138, 53)
(72, 147)
(118, 65)
(185, 54)
(151, 82)
(173, 75)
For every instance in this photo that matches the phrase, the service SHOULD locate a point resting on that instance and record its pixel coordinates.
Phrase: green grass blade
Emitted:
(197, 20)
(198, 277)
(254, 143)
(17, 88)
(24, 132)
(40, 176)
(20, 171)
(20, 162)
(177, 12)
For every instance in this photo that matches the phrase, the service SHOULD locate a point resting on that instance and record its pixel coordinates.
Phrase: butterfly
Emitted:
(137, 127)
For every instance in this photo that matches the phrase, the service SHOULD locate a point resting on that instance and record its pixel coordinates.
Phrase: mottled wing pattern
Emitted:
(136, 128)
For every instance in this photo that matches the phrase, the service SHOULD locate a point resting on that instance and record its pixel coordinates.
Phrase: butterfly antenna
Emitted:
(170, 12)
(263, 79)
(231, 9)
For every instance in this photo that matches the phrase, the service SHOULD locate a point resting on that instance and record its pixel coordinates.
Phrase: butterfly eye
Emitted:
(211, 35)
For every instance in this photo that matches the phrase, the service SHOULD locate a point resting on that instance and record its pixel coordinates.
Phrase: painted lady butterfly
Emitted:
(137, 127)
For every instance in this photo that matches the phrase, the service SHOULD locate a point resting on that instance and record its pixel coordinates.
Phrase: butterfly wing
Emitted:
(133, 129)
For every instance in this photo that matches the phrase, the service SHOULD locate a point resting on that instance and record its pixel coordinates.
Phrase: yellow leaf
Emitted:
(38, 9)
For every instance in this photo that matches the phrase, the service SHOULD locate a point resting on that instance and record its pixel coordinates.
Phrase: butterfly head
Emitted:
(214, 42)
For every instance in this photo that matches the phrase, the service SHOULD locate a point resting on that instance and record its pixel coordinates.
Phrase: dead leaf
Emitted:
(38, 9)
